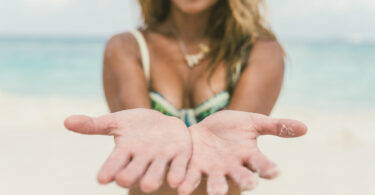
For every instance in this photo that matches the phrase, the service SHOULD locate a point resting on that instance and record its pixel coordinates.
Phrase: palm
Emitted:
(225, 145)
(144, 140)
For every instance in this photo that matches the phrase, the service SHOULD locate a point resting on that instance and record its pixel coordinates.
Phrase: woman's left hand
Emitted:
(225, 144)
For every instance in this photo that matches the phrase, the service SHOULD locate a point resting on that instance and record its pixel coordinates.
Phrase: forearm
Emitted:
(123, 101)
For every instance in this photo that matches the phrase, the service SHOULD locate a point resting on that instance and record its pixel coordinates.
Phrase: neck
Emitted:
(191, 27)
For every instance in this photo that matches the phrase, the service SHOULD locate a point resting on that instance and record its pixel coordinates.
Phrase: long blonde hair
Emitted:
(235, 26)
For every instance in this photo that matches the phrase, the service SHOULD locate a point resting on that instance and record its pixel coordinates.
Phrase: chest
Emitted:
(182, 86)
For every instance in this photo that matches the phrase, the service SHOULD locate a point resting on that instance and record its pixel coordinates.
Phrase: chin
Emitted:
(193, 6)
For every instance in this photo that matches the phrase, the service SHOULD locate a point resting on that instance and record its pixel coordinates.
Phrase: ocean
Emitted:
(319, 74)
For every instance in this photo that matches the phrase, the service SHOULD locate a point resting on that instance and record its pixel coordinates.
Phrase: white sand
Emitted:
(38, 156)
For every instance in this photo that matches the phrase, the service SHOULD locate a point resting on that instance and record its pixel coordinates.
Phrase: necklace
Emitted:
(191, 59)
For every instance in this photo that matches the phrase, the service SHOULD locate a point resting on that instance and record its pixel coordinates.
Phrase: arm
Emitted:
(259, 85)
(225, 143)
(124, 82)
(147, 142)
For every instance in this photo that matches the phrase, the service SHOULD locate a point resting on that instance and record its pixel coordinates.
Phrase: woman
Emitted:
(238, 42)
(191, 59)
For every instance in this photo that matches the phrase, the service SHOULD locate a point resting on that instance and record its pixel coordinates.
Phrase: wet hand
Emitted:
(144, 140)
(225, 145)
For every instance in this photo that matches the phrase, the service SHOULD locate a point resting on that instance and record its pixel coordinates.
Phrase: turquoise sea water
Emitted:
(319, 74)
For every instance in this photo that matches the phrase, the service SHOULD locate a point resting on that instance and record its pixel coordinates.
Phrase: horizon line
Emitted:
(87, 37)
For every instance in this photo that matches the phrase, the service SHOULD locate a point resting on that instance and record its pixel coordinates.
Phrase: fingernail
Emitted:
(271, 172)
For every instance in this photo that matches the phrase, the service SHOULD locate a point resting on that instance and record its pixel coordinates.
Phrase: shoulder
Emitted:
(267, 53)
(121, 47)
(266, 59)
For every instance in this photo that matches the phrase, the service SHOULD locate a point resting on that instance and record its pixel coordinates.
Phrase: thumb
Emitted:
(279, 127)
(92, 126)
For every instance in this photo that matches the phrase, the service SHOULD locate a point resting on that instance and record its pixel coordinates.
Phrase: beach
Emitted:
(51, 63)
(40, 157)
(329, 86)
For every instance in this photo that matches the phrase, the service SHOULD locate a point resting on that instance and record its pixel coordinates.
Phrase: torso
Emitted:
(176, 89)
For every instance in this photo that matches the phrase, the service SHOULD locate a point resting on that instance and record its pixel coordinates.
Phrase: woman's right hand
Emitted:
(144, 140)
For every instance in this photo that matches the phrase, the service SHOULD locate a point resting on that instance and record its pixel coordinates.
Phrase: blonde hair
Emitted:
(235, 26)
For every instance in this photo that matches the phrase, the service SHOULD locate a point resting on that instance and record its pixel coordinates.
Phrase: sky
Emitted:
(290, 19)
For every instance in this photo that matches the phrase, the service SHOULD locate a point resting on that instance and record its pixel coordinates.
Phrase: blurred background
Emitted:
(50, 67)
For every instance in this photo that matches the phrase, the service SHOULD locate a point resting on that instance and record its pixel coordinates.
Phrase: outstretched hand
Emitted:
(144, 140)
(225, 144)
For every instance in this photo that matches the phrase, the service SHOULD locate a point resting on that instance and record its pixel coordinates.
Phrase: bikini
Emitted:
(190, 116)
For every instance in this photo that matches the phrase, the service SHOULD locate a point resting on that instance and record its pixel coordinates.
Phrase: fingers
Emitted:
(191, 181)
(117, 160)
(154, 176)
(243, 178)
(177, 170)
(133, 172)
(93, 126)
(261, 164)
(217, 184)
(278, 127)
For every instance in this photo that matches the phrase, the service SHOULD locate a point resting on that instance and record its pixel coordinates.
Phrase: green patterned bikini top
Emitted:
(189, 115)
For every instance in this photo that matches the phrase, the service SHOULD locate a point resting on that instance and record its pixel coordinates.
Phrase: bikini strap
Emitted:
(236, 74)
(145, 56)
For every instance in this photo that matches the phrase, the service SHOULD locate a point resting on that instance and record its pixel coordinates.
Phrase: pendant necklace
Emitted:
(191, 59)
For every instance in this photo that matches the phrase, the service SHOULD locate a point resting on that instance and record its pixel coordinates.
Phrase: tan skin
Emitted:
(125, 85)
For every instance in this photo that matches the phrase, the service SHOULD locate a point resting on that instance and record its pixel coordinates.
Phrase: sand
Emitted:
(38, 156)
